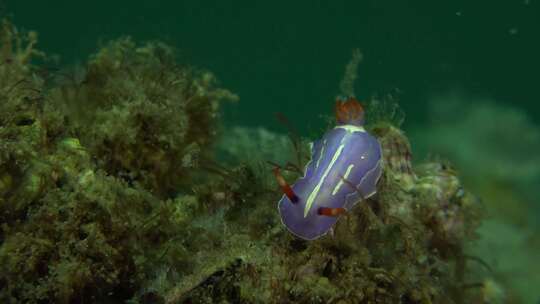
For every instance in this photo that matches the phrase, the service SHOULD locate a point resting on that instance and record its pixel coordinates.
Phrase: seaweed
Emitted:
(88, 167)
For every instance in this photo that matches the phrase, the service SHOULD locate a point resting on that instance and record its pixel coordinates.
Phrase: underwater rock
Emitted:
(405, 244)
(500, 151)
(254, 144)
(397, 154)
(104, 198)
(495, 160)
(147, 119)
(78, 222)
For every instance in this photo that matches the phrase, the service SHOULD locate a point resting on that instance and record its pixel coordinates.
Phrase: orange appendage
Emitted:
(285, 186)
(331, 211)
(349, 111)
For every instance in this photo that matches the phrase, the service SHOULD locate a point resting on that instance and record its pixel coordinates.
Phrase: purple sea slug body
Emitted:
(344, 169)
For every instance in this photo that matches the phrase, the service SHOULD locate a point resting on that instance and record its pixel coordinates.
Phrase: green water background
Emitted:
(289, 56)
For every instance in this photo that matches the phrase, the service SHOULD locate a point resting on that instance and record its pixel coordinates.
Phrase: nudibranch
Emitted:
(344, 169)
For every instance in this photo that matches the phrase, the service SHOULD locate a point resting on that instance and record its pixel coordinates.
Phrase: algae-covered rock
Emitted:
(103, 197)
(87, 166)
(496, 160)
(403, 246)
(143, 116)
(256, 145)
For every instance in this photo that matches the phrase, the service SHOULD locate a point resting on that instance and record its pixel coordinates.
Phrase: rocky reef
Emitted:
(111, 192)
(496, 161)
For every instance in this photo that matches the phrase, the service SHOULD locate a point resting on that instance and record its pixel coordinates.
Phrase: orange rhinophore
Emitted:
(349, 111)
(285, 186)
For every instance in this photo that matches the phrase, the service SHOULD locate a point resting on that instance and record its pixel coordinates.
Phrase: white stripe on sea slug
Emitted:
(336, 189)
(351, 128)
(321, 155)
(313, 194)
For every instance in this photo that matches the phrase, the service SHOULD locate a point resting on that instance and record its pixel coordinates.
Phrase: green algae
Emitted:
(86, 208)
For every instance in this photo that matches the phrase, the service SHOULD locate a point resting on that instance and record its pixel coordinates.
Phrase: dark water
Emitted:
(288, 56)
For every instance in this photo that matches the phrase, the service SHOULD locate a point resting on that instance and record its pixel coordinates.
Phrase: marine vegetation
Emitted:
(110, 192)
